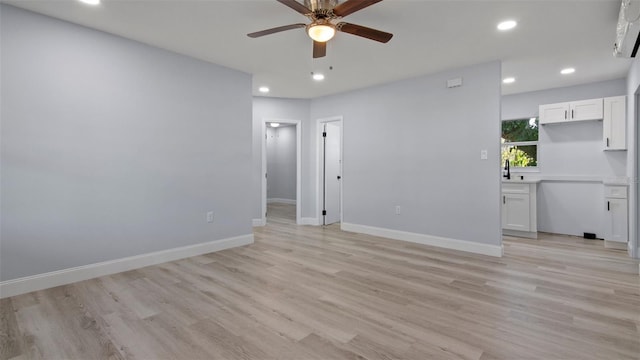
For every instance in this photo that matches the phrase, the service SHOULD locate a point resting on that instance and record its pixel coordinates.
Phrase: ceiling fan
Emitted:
(323, 15)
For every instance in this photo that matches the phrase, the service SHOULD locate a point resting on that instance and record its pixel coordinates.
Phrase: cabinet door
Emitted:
(616, 222)
(585, 110)
(615, 123)
(553, 113)
(515, 212)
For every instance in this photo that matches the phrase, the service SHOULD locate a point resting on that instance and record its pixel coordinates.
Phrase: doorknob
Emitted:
(339, 177)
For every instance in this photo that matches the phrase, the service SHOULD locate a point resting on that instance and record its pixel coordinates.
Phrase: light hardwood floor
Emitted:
(303, 292)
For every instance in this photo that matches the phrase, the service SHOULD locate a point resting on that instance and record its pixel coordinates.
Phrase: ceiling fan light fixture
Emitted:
(321, 32)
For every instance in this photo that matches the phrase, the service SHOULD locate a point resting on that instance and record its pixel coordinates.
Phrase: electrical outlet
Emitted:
(483, 154)
(210, 216)
(398, 210)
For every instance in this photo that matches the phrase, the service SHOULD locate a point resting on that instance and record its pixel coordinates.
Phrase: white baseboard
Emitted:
(67, 276)
(447, 243)
(281, 201)
(524, 234)
(309, 221)
(615, 245)
(259, 222)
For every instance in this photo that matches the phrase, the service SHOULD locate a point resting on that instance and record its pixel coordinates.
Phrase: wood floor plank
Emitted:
(318, 293)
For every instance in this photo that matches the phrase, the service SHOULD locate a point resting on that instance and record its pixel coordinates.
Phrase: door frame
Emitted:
(320, 174)
(298, 125)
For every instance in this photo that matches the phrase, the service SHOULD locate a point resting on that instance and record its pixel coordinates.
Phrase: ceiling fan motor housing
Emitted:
(320, 5)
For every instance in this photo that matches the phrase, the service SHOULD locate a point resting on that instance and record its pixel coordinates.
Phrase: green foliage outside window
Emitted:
(520, 131)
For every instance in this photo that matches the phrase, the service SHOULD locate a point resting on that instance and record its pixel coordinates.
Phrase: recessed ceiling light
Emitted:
(509, 80)
(507, 25)
(91, 2)
(274, 124)
(263, 89)
(567, 71)
(318, 77)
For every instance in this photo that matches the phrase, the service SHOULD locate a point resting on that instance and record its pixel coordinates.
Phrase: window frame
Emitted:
(522, 143)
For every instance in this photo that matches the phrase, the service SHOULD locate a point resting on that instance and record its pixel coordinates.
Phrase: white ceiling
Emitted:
(429, 36)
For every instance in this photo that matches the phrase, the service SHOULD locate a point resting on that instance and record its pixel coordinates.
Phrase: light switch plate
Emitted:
(483, 155)
(451, 83)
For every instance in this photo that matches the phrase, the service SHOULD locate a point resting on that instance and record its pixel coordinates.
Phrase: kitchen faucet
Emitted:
(507, 174)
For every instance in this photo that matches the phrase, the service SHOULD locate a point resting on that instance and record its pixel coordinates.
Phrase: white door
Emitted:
(515, 212)
(332, 173)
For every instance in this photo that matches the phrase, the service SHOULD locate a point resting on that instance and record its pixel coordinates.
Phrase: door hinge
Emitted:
(324, 134)
(324, 212)
(265, 175)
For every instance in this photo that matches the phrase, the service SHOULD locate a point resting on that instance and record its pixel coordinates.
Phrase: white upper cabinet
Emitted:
(554, 113)
(615, 123)
(571, 111)
(586, 110)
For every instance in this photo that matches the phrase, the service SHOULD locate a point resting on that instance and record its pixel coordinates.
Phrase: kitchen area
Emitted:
(565, 163)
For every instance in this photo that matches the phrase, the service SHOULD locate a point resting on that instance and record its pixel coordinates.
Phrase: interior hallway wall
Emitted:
(281, 164)
(266, 108)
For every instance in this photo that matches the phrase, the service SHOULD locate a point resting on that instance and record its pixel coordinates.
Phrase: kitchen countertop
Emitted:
(518, 181)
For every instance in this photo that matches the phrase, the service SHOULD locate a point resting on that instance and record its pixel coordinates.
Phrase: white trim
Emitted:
(281, 201)
(319, 173)
(258, 222)
(309, 221)
(67, 276)
(263, 196)
(447, 243)
(606, 180)
(517, 233)
(615, 245)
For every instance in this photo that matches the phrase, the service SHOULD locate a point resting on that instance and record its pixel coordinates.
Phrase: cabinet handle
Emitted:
(565, 114)
(504, 199)
(607, 142)
(608, 206)
(572, 114)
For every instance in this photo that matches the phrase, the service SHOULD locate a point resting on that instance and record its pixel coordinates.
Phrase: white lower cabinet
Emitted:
(519, 209)
(616, 214)
(515, 212)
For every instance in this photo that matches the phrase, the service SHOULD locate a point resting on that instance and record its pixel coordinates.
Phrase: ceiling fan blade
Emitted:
(275, 30)
(351, 6)
(319, 49)
(364, 32)
(296, 6)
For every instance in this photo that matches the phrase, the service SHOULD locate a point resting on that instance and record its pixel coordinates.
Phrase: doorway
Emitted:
(281, 171)
(330, 171)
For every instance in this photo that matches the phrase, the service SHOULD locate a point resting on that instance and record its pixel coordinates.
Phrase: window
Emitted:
(520, 143)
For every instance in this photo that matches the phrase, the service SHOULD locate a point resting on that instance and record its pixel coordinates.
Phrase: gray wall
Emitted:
(416, 143)
(111, 148)
(572, 150)
(525, 105)
(281, 163)
(265, 108)
(633, 162)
